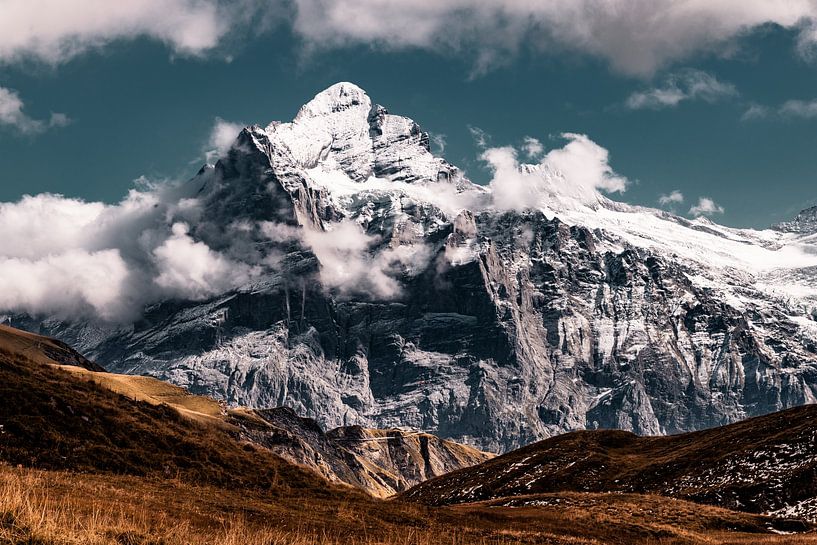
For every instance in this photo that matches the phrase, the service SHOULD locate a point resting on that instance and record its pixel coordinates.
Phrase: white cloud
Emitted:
(578, 171)
(674, 197)
(806, 109)
(705, 207)
(74, 281)
(511, 187)
(54, 31)
(191, 270)
(634, 36)
(585, 163)
(12, 115)
(532, 147)
(349, 261)
(221, 138)
(69, 257)
(683, 86)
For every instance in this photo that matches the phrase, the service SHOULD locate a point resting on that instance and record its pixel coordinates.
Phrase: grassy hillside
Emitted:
(757, 465)
(55, 419)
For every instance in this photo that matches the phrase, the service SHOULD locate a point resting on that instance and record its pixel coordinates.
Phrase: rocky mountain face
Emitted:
(805, 222)
(382, 462)
(389, 291)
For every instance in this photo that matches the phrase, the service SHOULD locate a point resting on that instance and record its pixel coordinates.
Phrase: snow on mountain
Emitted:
(385, 289)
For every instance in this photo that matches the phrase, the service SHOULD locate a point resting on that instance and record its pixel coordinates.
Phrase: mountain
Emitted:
(805, 222)
(765, 464)
(380, 288)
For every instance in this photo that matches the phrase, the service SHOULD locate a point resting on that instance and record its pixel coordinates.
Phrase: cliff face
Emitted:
(382, 462)
(390, 292)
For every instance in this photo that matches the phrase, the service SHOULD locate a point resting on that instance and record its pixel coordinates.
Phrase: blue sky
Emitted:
(711, 101)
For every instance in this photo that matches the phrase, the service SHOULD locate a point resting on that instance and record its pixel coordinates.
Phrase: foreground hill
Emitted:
(39, 349)
(764, 464)
(54, 419)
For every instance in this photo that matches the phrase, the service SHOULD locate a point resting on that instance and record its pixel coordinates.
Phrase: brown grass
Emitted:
(60, 508)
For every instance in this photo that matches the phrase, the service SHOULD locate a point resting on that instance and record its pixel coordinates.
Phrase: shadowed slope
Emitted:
(55, 419)
(758, 465)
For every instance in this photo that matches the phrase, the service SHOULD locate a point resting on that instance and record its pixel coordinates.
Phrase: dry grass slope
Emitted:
(59, 508)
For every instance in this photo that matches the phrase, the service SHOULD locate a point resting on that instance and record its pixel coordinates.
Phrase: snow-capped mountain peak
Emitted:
(342, 128)
(380, 287)
(340, 97)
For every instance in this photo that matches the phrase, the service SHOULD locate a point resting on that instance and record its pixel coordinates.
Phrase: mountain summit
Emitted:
(362, 280)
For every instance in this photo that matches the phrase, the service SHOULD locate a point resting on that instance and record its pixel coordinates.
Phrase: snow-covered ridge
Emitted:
(355, 150)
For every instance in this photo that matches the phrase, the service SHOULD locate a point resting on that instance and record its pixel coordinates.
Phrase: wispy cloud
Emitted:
(799, 108)
(705, 207)
(481, 138)
(674, 197)
(795, 108)
(683, 86)
(13, 116)
(439, 141)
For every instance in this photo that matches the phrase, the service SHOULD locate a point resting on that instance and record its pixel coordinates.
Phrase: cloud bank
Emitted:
(67, 257)
(636, 37)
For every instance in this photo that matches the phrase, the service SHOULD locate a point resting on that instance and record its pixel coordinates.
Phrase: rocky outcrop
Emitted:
(382, 462)
(393, 293)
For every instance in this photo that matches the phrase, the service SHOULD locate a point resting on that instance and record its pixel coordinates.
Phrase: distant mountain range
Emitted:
(386, 290)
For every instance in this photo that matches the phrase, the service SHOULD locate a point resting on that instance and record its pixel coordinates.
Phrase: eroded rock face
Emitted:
(382, 462)
(490, 327)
